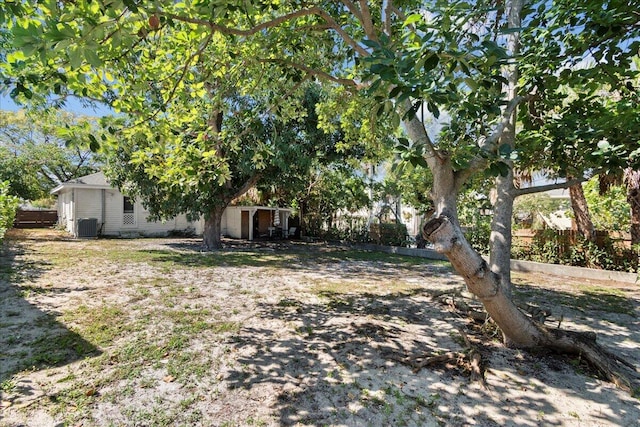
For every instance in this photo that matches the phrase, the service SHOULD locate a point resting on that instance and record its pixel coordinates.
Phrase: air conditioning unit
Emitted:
(87, 227)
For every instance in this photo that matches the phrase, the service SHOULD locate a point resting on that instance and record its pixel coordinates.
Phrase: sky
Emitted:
(73, 106)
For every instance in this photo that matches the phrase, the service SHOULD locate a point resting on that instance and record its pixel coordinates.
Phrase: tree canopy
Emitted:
(479, 63)
(40, 150)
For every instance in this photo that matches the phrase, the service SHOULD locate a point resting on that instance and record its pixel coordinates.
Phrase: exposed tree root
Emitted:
(612, 367)
(469, 360)
(519, 327)
(475, 360)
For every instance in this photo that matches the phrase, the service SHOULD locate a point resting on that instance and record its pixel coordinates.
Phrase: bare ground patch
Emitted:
(156, 332)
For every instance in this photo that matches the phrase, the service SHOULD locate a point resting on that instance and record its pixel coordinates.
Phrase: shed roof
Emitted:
(95, 180)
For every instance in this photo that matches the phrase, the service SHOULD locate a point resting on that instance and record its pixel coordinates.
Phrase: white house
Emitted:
(89, 206)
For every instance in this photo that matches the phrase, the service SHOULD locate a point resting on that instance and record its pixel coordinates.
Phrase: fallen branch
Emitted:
(475, 360)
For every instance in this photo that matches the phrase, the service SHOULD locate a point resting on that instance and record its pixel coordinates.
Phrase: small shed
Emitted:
(253, 222)
(89, 206)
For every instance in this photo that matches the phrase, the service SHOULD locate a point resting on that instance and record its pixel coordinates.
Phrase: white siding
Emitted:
(65, 211)
(233, 223)
(113, 213)
(152, 228)
(114, 205)
(107, 206)
(88, 204)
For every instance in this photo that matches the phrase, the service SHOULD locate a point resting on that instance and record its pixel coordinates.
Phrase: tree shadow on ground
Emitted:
(30, 338)
(339, 365)
(297, 256)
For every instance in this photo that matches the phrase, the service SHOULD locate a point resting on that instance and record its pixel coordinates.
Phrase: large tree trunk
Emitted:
(491, 284)
(634, 200)
(519, 330)
(501, 227)
(581, 213)
(632, 180)
(492, 288)
(212, 234)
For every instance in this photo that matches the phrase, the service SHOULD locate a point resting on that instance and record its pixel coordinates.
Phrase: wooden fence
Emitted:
(525, 237)
(35, 219)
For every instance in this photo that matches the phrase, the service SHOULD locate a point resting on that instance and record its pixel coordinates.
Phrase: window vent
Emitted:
(88, 227)
(128, 219)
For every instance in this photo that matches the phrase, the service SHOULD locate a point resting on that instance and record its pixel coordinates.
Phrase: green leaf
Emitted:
(371, 43)
(395, 91)
(131, 5)
(505, 149)
(503, 168)
(92, 58)
(433, 108)
(403, 141)
(412, 19)
(431, 62)
(76, 57)
(94, 145)
(413, 110)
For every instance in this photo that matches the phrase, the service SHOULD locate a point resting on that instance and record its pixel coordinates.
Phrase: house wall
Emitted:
(224, 223)
(112, 213)
(107, 206)
(114, 225)
(88, 205)
(65, 211)
(233, 222)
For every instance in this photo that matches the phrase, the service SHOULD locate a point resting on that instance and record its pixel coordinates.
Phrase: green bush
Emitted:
(8, 208)
(551, 247)
(389, 234)
(479, 236)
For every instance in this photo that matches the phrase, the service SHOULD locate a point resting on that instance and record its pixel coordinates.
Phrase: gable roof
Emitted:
(95, 180)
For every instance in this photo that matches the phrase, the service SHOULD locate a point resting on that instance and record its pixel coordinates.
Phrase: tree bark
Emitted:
(501, 231)
(491, 284)
(212, 234)
(520, 330)
(632, 180)
(581, 213)
(447, 238)
(501, 223)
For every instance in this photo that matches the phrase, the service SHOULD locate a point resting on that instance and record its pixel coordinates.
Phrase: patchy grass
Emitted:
(155, 332)
(100, 325)
(585, 298)
(609, 300)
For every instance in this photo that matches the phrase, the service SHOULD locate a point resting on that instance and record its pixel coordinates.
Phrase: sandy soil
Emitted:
(315, 340)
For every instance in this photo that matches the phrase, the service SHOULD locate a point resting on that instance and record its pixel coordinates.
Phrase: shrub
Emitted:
(550, 246)
(8, 208)
(479, 236)
(389, 234)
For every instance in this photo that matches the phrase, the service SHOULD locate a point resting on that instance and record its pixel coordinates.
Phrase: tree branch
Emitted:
(346, 37)
(353, 9)
(247, 185)
(489, 144)
(418, 134)
(321, 74)
(492, 140)
(555, 186)
(387, 17)
(317, 11)
(367, 22)
(248, 32)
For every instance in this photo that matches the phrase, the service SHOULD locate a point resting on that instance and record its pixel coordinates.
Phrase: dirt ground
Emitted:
(156, 332)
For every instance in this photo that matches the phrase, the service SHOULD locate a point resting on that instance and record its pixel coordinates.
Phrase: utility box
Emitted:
(87, 227)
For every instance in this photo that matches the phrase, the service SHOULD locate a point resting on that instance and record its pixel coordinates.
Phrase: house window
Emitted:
(128, 214)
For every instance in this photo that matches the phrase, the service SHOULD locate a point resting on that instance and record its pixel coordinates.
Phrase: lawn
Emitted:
(156, 332)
